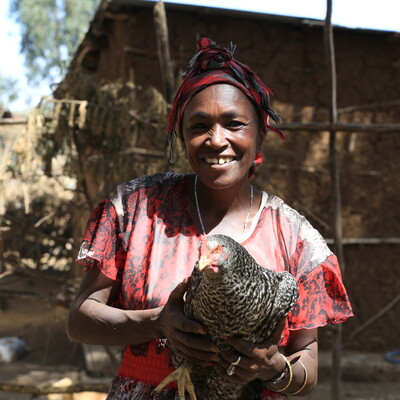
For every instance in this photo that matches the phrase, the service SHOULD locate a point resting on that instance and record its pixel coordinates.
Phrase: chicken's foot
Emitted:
(182, 377)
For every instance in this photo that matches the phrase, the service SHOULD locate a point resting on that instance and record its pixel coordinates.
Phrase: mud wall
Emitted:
(289, 55)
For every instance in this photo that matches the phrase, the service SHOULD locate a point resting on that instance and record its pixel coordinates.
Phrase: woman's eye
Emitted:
(235, 124)
(198, 127)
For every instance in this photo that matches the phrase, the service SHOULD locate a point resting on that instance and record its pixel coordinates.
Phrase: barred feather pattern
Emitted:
(242, 299)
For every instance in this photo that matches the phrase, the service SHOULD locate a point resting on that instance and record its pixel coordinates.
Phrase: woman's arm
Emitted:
(92, 319)
(302, 353)
(266, 363)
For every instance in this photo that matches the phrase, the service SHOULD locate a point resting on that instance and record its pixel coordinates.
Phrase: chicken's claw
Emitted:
(182, 376)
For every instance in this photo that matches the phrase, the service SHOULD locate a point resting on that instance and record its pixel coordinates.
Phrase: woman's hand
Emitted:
(186, 338)
(257, 361)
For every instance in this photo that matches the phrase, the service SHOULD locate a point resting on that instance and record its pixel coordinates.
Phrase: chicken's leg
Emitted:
(182, 377)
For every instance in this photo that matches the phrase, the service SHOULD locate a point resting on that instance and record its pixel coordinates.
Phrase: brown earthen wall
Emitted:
(291, 60)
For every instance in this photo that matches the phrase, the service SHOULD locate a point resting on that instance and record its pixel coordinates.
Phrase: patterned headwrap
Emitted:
(215, 64)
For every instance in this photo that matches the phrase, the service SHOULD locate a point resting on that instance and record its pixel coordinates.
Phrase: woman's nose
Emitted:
(218, 137)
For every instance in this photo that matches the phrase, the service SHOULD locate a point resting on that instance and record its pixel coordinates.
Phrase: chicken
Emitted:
(231, 295)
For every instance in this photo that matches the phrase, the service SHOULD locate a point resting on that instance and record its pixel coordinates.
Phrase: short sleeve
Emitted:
(101, 244)
(322, 297)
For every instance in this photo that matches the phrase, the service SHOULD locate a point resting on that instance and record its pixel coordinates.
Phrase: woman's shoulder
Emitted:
(283, 210)
(155, 183)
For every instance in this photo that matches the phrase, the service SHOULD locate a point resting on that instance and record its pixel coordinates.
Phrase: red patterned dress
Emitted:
(144, 238)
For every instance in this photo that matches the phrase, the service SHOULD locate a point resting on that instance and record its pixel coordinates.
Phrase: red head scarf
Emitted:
(214, 64)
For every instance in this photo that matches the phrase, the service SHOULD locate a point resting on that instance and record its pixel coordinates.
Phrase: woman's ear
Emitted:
(260, 141)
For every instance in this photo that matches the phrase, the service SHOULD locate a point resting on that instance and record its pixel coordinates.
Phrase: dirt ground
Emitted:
(53, 361)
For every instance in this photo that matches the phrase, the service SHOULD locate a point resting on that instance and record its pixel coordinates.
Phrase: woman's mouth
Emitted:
(218, 160)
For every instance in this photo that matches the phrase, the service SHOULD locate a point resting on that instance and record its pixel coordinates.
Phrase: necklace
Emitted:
(196, 199)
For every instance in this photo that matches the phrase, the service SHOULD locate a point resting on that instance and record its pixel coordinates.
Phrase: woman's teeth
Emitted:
(218, 160)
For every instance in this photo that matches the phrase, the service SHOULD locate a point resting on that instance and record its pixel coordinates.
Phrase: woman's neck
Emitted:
(227, 211)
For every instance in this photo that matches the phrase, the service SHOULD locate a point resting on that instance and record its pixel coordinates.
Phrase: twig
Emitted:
(136, 116)
(19, 266)
(305, 208)
(370, 106)
(379, 314)
(13, 294)
(81, 169)
(13, 121)
(349, 109)
(43, 219)
(338, 126)
(366, 241)
(48, 389)
(160, 21)
(5, 273)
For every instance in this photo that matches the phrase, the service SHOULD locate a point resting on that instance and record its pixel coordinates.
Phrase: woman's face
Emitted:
(221, 133)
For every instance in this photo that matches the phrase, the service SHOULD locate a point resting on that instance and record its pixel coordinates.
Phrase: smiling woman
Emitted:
(221, 137)
(142, 244)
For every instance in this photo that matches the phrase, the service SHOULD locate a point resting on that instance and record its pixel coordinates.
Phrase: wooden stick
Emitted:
(13, 121)
(13, 294)
(136, 116)
(371, 106)
(160, 21)
(336, 194)
(366, 241)
(350, 109)
(130, 150)
(48, 389)
(21, 267)
(338, 126)
(379, 314)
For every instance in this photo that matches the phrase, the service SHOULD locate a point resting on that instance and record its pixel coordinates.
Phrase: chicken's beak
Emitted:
(203, 262)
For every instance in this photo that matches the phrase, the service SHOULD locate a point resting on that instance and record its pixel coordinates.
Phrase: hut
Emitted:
(111, 108)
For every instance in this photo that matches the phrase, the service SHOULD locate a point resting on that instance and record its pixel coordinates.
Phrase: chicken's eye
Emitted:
(217, 250)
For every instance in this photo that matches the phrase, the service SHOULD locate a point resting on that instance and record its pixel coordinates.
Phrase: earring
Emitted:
(258, 160)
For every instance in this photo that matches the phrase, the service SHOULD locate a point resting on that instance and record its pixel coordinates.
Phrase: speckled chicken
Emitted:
(231, 295)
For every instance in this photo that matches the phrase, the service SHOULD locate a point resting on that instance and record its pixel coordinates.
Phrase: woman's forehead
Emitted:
(221, 98)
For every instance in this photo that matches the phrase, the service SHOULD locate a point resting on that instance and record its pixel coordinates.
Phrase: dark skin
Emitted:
(221, 138)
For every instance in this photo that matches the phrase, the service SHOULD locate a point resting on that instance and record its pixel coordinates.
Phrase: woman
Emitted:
(141, 245)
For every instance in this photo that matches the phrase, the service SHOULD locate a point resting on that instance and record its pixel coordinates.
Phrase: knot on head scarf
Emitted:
(214, 64)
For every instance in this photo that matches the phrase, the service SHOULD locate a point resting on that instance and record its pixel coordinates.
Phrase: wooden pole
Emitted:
(371, 320)
(337, 126)
(49, 389)
(160, 21)
(336, 194)
(13, 121)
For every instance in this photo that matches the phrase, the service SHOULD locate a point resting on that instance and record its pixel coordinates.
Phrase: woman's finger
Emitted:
(241, 346)
(277, 333)
(249, 348)
(176, 296)
(237, 376)
(195, 342)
